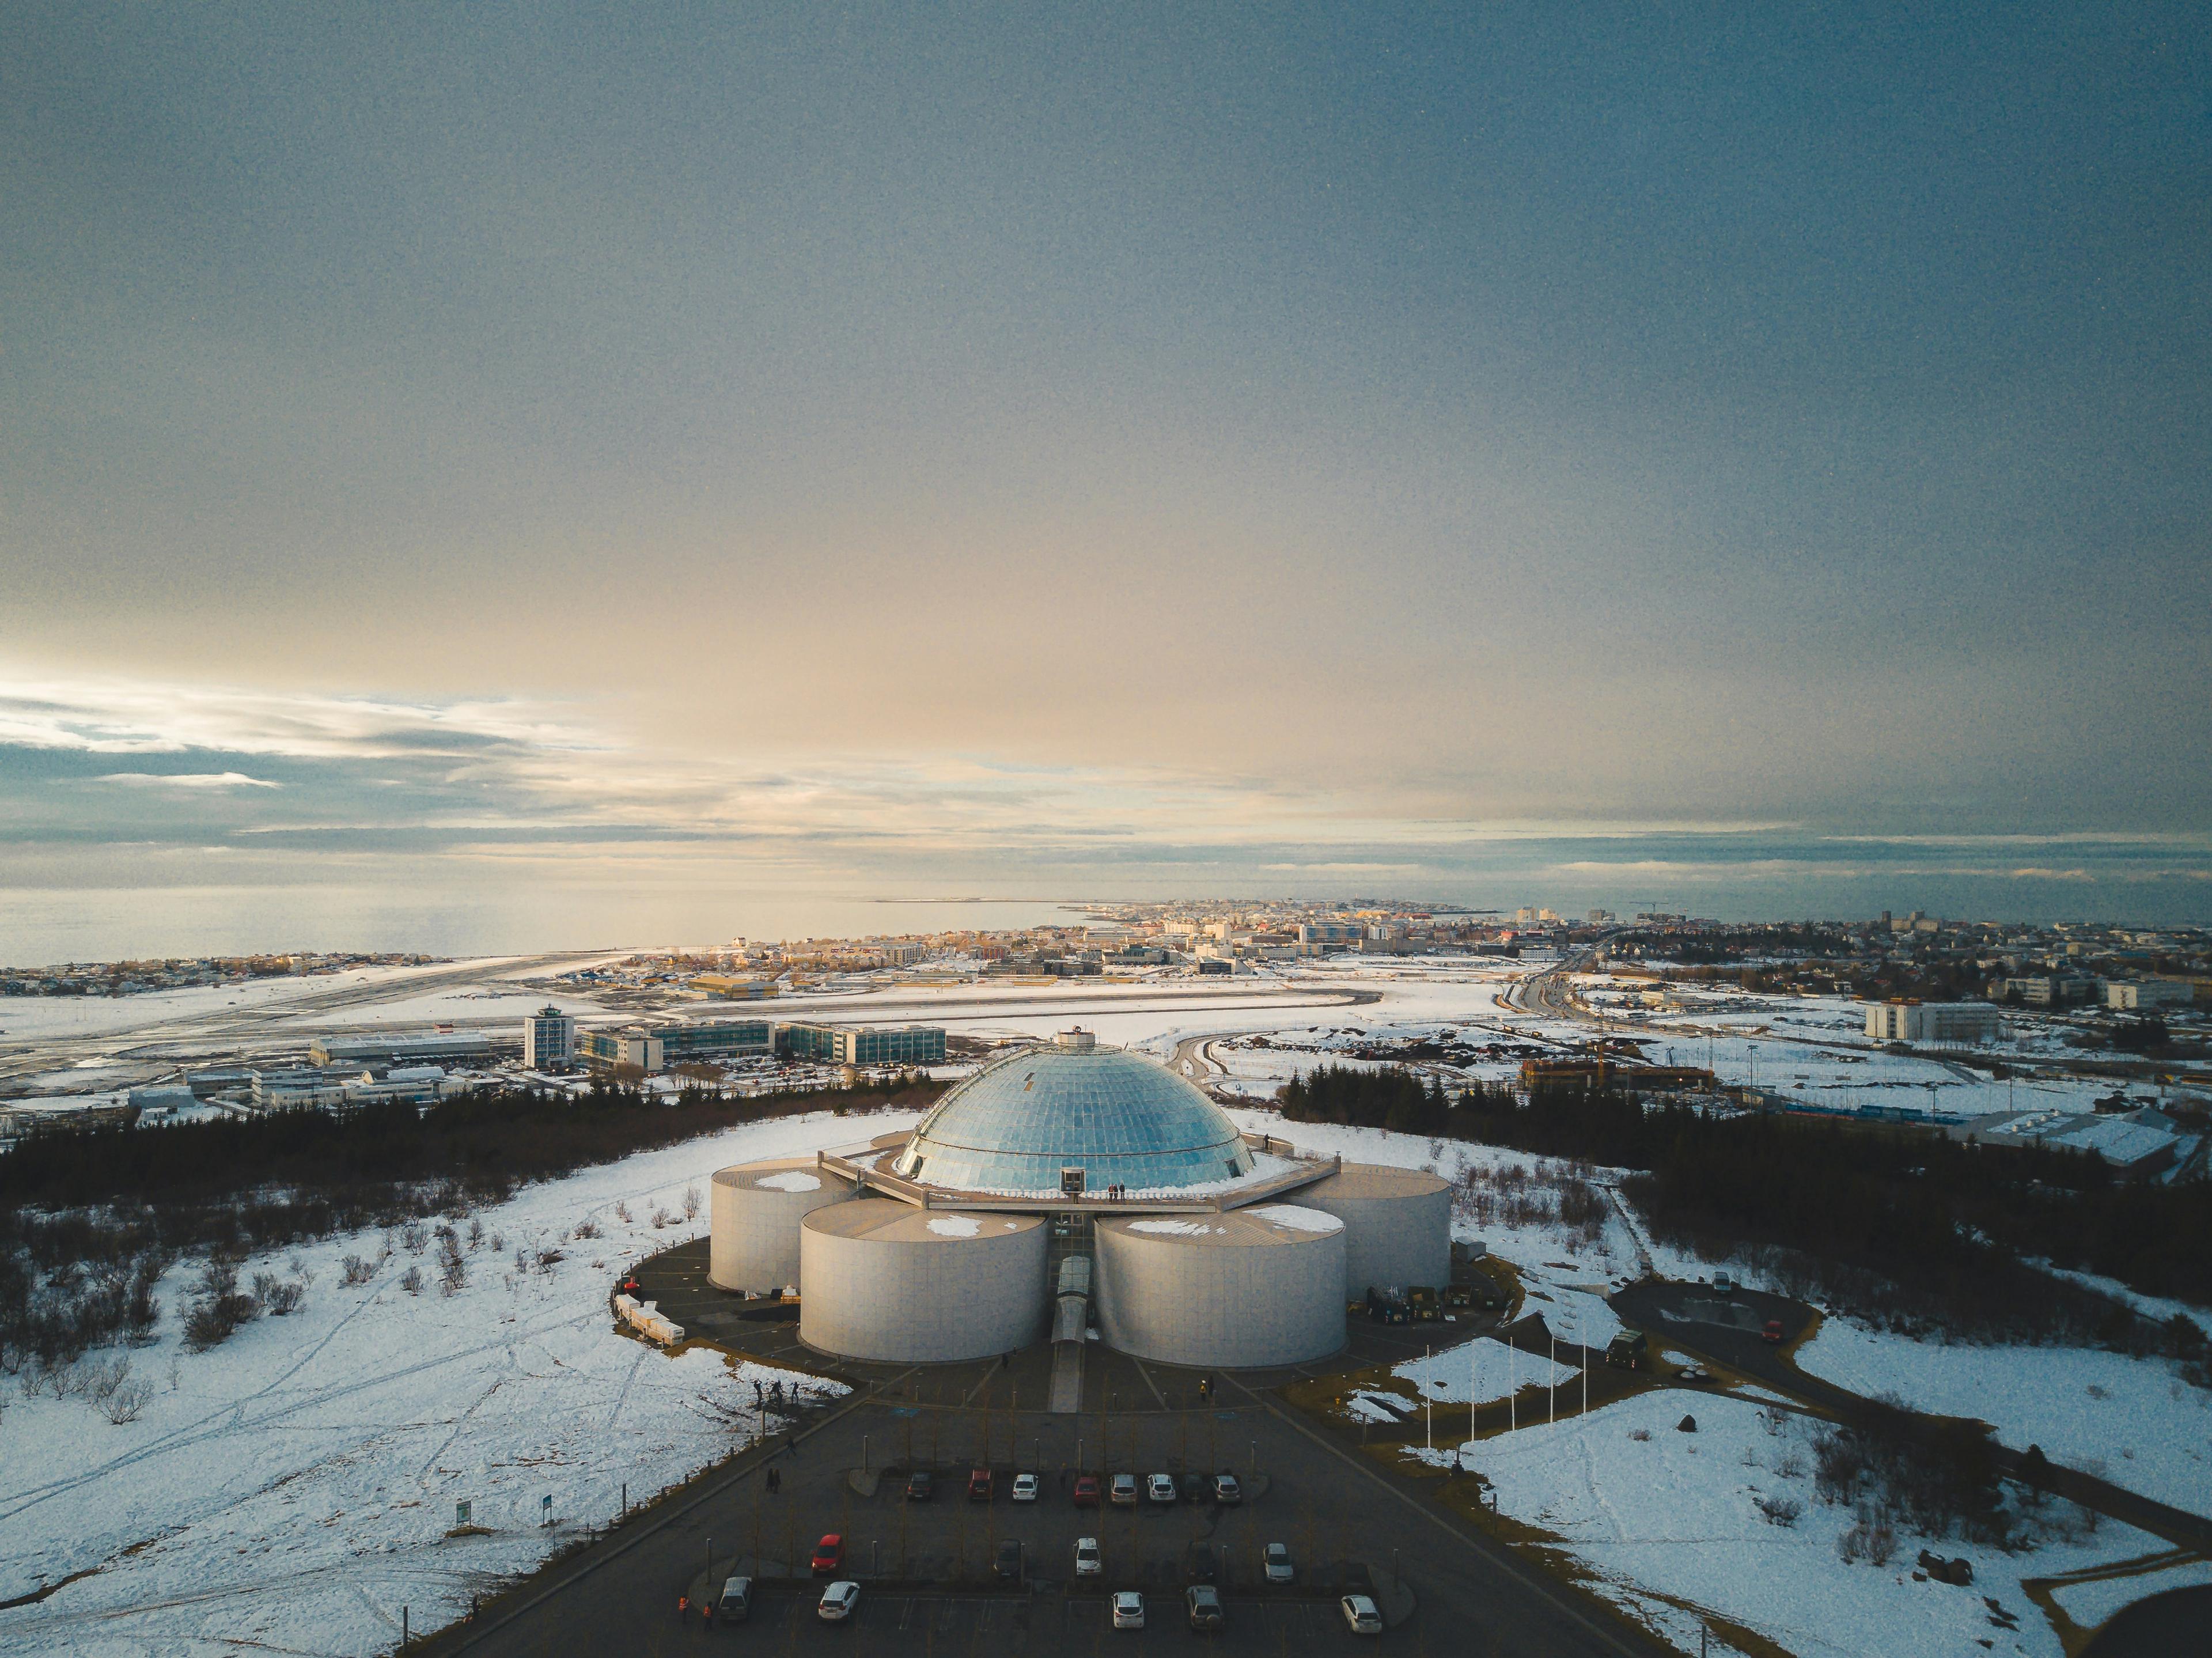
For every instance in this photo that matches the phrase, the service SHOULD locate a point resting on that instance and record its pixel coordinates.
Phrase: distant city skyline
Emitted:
(529, 477)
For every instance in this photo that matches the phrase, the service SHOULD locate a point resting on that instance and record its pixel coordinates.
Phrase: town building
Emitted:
(861, 1045)
(2138, 994)
(549, 1039)
(1932, 1022)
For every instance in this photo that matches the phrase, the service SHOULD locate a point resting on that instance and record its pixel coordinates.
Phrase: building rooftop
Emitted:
(1017, 1124)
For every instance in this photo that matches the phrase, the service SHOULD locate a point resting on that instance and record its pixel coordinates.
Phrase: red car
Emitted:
(979, 1485)
(1773, 1331)
(1086, 1491)
(829, 1555)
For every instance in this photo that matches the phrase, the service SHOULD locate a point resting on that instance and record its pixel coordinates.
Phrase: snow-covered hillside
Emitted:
(294, 1488)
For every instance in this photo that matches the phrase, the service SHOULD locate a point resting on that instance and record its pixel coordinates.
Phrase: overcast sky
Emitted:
(1754, 454)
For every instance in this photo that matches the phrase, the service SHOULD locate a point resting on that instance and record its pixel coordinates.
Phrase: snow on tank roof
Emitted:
(1023, 1121)
(1297, 1217)
(781, 1174)
(1374, 1180)
(887, 1220)
(1263, 1225)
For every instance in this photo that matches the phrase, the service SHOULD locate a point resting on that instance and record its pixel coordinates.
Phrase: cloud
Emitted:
(187, 780)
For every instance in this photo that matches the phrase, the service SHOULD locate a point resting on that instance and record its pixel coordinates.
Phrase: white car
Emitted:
(1025, 1488)
(1087, 1561)
(838, 1601)
(1361, 1615)
(1160, 1487)
(1276, 1557)
(1129, 1610)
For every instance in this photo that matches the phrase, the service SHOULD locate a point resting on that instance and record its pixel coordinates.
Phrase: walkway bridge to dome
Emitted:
(865, 1167)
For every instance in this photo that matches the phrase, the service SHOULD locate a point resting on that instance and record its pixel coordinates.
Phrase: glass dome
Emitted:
(1019, 1123)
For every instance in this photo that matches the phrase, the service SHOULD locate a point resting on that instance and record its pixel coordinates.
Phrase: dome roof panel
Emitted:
(1017, 1123)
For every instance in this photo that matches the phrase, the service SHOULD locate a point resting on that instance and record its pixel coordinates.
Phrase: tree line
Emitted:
(88, 1221)
(1933, 1229)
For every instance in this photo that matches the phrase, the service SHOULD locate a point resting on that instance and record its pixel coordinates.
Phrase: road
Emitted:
(2175, 1624)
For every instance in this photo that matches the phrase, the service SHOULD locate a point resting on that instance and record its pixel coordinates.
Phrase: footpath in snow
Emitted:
(1661, 1516)
(2132, 1421)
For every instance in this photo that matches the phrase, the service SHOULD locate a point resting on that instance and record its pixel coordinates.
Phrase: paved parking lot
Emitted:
(1338, 1513)
(953, 1623)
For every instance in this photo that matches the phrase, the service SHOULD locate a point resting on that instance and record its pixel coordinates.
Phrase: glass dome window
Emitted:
(1025, 1122)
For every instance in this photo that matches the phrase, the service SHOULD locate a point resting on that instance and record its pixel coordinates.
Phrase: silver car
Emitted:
(1160, 1487)
(1361, 1615)
(1087, 1561)
(1276, 1557)
(1129, 1610)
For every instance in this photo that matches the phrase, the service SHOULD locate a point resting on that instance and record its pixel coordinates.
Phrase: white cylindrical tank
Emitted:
(1244, 1289)
(885, 1280)
(754, 1212)
(1397, 1225)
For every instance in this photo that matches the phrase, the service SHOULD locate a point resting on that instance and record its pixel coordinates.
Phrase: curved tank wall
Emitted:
(754, 1209)
(885, 1280)
(1397, 1225)
(1244, 1289)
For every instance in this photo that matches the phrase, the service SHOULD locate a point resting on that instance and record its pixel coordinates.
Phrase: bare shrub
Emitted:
(499, 1243)
(1640, 1433)
(660, 1219)
(411, 1280)
(475, 1233)
(357, 1271)
(452, 1266)
(1780, 1510)
(216, 1315)
(283, 1299)
(124, 1403)
(622, 1213)
(414, 1238)
(1870, 1540)
(691, 1202)
(548, 1258)
(102, 1380)
(587, 1229)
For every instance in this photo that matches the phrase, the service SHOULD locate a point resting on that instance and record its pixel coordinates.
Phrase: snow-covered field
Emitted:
(293, 1488)
(1661, 1516)
(1480, 1371)
(2133, 1421)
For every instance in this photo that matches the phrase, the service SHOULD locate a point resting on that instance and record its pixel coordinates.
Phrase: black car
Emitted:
(1008, 1564)
(921, 1486)
(1197, 1562)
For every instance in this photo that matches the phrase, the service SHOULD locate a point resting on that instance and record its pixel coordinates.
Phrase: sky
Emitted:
(1753, 460)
